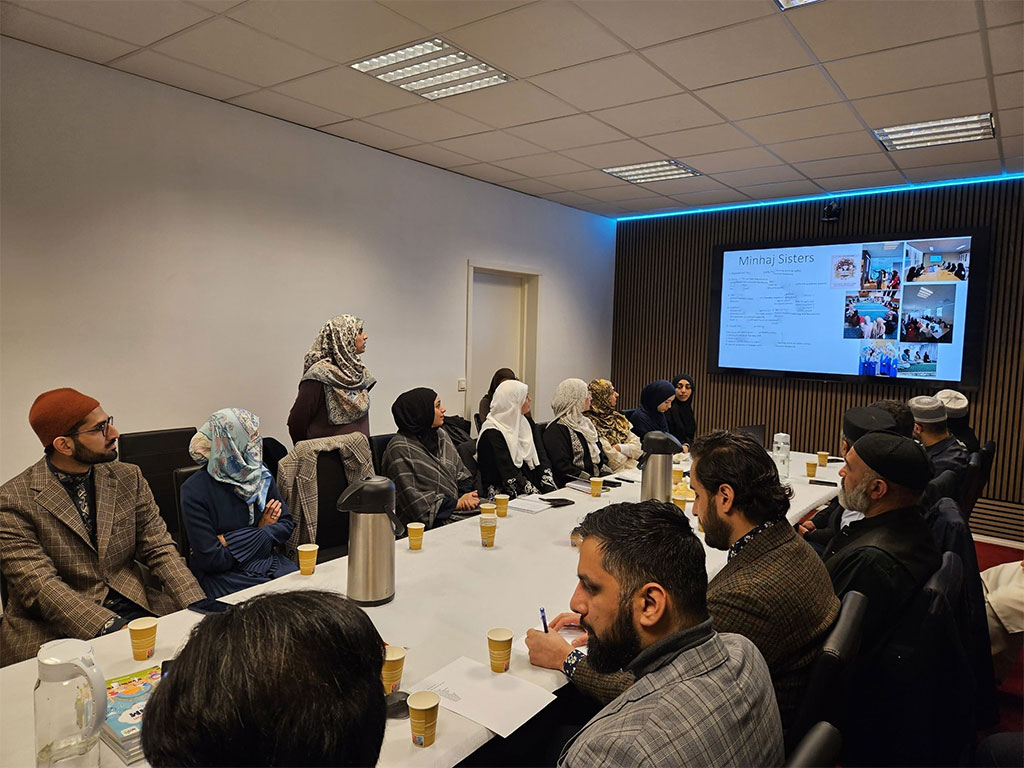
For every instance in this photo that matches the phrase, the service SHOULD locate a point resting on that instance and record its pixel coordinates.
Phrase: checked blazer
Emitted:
(57, 580)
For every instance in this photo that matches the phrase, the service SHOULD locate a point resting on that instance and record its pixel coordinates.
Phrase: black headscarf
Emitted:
(681, 421)
(413, 412)
(647, 418)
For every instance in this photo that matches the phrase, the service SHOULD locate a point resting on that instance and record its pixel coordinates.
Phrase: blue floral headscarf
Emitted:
(230, 446)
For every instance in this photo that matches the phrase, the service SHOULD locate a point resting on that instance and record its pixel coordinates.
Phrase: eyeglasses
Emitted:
(101, 428)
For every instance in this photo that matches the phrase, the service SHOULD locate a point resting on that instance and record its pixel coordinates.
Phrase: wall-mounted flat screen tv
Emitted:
(905, 309)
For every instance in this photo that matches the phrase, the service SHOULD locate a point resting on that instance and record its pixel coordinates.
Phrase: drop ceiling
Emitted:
(765, 104)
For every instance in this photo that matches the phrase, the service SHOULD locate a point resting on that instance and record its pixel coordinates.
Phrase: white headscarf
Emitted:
(567, 404)
(506, 416)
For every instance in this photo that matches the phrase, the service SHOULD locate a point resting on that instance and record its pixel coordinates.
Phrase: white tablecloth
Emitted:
(447, 596)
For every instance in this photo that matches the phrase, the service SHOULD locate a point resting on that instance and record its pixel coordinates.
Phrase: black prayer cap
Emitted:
(858, 422)
(897, 459)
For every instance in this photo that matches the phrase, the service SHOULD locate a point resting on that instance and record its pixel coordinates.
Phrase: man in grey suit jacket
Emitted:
(71, 529)
(700, 698)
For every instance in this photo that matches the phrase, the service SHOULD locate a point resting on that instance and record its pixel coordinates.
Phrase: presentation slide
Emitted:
(894, 309)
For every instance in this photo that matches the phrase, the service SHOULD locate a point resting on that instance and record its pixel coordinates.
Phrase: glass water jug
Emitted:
(70, 702)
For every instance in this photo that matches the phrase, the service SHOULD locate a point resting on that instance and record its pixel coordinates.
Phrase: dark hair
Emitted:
(49, 450)
(651, 541)
(500, 375)
(900, 413)
(289, 678)
(736, 460)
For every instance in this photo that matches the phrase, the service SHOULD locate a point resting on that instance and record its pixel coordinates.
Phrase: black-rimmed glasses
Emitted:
(101, 428)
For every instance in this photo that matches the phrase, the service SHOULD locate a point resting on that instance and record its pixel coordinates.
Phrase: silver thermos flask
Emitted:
(656, 465)
(372, 529)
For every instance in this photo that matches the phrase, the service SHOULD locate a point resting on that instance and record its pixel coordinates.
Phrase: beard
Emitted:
(854, 499)
(716, 530)
(618, 647)
(84, 455)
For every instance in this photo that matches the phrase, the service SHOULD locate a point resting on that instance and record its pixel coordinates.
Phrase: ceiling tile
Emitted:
(293, 110)
(164, 69)
(508, 104)
(488, 172)
(1014, 164)
(565, 132)
(135, 21)
(940, 101)
(685, 186)
(824, 147)
(427, 122)
(581, 180)
(754, 176)
(569, 198)
(1003, 12)
(493, 145)
(967, 152)
(441, 15)
(1012, 145)
(607, 83)
(767, 45)
(914, 66)
(672, 113)
(57, 35)
(235, 50)
(958, 171)
(542, 165)
(1006, 47)
(604, 209)
(654, 203)
(434, 155)
(615, 153)
(712, 197)
(769, 94)
(1010, 122)
(531, 186)
(371, 135)
(1009, 90)
(343, 89)
(536, 38)
(645, 22)
(340, 31)
(624, 191)
(835, 30)
(802, 124)
(783, 189)
(733, 160)
(699, 141)
(216, 6)
(843, 166)
(862, 181)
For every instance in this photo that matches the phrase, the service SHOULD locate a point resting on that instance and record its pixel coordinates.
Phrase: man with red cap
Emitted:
(71, 529)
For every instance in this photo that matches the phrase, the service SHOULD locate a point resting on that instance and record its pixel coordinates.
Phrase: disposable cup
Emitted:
(822, 458)
(423, 706)
(394, 663)
(501, 504)
(143, 636)
(596, 484)
(307, 558)
(415, 535)
(677, 475)
(812, 468)
(488, 508)
(488, 527)
(499, 647)
(680, 502)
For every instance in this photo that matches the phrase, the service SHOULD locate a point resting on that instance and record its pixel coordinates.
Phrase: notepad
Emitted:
(530, 504)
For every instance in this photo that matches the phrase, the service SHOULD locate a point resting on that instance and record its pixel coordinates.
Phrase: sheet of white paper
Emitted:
(583, 487)
(500, 702)
(531, 504)
(566, 633)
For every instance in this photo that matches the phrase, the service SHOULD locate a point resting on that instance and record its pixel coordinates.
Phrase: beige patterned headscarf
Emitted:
(332, 360)
(567, 405)
(611, 425)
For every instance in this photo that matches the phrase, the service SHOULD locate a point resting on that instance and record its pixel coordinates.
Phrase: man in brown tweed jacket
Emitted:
(71, 529)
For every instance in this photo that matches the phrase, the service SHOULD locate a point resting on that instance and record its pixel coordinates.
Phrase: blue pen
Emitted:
(544, 619)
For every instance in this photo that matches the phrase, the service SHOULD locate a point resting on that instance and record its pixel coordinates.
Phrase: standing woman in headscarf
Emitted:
(432, 485)
(233, 514)
(507, 451)
(655, 399)
(571, 439)
(500, 375)
(681, 421)
(621, 447)
(334, 392)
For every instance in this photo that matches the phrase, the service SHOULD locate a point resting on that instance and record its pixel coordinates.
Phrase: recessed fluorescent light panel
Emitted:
(645, 173)
(787, 4)
(953, 130)
(433, 69)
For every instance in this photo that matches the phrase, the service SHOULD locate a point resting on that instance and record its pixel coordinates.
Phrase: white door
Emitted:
(497, 331)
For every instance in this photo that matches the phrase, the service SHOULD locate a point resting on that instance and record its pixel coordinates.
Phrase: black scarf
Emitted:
(413, 412)
(681, 421)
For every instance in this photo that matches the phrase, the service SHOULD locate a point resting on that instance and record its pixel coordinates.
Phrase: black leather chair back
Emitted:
(273, 452)
(476, 420)
(178, 477)
(756, 431)
(466, 453)
(948, 581)
(378, 444)
(158, 453)
(988, 457)
(820, 748)
(331, 525)
(942, 486)
(970, 486)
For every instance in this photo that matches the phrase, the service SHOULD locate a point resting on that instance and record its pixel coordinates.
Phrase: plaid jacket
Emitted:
(711, 704)
(57, 580)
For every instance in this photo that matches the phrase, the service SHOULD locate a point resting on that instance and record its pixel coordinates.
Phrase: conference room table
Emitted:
(447, 596)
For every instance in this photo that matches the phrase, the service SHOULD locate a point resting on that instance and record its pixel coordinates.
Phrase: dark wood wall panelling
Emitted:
(662, 274)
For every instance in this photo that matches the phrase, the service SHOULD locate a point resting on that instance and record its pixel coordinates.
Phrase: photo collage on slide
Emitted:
(900, 302)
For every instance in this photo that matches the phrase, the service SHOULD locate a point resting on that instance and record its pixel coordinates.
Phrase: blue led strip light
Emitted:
(826, 196)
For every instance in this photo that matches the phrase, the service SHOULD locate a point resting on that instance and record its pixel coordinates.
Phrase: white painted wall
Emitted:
(172, 255)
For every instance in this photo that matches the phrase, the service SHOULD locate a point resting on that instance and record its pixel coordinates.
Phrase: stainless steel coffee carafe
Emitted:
(372, 529)
(656, 466)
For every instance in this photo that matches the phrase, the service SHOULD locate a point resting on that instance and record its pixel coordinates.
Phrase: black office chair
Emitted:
(378, 444)
(942, 486)
(178, 477)
(158, 453)
(331, 525)
(756, 431)
(970, 486)
(467, 451)
(949, 579)
(273, 452)
(820, 748)
(476, 420)
(988, 457)
(827, 683)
